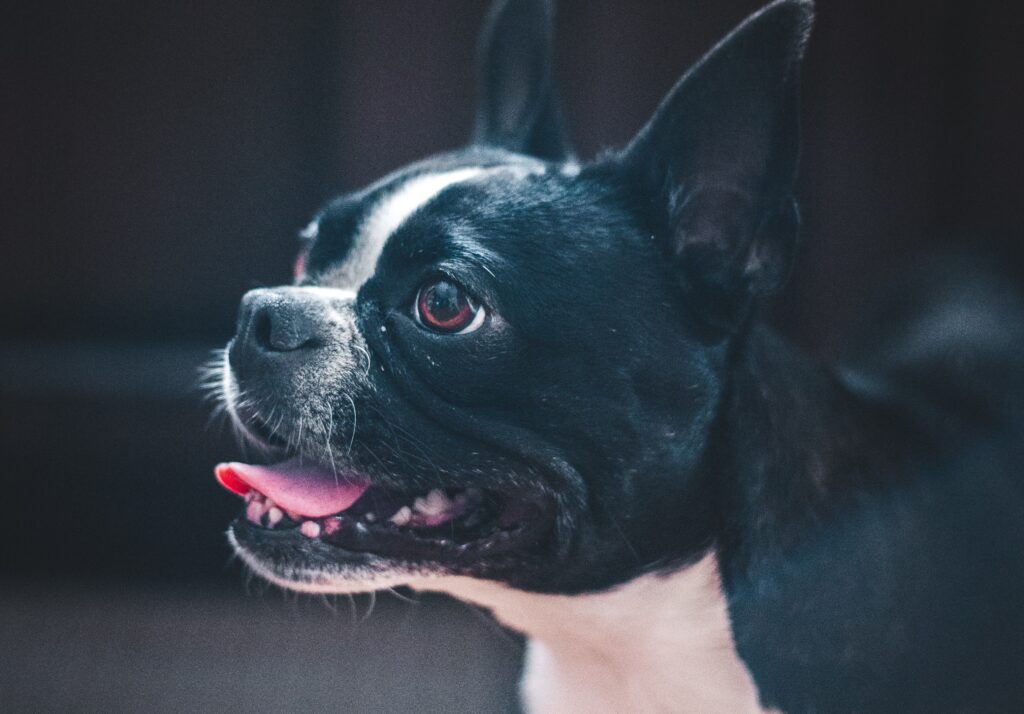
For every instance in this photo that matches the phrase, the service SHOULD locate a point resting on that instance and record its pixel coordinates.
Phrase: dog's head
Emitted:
(502, 363)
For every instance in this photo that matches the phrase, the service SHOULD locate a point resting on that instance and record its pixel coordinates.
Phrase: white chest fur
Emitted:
(660, 643)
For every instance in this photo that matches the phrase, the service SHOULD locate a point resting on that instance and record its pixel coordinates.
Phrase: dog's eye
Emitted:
(445, 306)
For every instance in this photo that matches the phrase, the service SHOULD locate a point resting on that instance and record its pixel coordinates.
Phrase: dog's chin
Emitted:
(291, 559)
(296, 563)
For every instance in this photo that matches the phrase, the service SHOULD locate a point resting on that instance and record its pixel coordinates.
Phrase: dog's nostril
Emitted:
(284, 328)
(261, 330)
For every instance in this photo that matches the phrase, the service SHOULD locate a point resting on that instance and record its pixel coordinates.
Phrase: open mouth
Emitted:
(446, 525)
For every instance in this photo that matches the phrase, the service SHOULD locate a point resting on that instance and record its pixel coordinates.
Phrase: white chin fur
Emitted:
(343, 581)
(657, 643)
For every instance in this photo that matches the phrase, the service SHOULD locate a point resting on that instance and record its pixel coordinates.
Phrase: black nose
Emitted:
(276, 324)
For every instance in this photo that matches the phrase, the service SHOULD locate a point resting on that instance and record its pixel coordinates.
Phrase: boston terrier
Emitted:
(541, 385)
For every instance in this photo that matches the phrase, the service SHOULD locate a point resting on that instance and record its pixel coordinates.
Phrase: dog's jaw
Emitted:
(349, 579)
(657, 643)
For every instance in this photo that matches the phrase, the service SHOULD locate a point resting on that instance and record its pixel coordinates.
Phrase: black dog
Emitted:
(540, 386)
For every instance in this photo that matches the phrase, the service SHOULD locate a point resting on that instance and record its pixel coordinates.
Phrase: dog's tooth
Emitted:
(274, 515)
(402, 516)
(434, 504)
(254, 511)
(434, 519)
(370, 517)
(293, 515)
(439, 498)
(332, 526)
(310, 529)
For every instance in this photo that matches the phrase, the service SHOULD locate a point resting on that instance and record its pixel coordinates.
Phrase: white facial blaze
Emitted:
(388, 216)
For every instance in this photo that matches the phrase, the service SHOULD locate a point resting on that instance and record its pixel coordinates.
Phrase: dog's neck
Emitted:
(794, 440)
(790, 437)
(660, 643)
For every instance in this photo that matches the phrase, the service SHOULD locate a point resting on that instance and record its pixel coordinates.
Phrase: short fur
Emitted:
(844, 538)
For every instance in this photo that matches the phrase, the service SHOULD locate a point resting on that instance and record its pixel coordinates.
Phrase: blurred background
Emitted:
(157, 160)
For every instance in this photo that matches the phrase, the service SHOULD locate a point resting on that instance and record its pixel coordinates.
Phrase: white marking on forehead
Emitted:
(388, 216)
(329, 293)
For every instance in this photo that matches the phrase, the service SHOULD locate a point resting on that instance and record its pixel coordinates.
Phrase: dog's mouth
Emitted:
(452, 526)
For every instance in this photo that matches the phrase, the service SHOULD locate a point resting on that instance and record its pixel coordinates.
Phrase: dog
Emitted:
(542, 386)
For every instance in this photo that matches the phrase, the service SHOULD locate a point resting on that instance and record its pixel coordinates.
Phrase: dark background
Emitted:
(157, 160)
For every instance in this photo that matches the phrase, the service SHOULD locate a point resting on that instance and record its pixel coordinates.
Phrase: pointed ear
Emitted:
(718, 162)
(519, 108)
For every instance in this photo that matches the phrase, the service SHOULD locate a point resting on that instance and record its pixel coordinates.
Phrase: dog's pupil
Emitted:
(444, 305)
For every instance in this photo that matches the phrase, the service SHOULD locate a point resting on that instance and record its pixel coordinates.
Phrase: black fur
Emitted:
(869, 517)
(519, 108)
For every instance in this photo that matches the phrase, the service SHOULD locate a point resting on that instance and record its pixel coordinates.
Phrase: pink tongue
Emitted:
(305, 490)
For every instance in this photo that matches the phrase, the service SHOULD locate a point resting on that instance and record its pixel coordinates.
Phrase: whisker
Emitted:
(400, 596)
(366, 354)
(352, 438)
(370, 607)
(330, 451)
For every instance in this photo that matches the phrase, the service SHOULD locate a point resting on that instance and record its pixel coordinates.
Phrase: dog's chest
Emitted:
(661, 643)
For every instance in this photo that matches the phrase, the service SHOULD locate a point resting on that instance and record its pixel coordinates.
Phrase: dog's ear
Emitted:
(718, 162)
(519, 108)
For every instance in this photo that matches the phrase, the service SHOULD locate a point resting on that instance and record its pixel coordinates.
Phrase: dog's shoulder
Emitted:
(885, 581)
